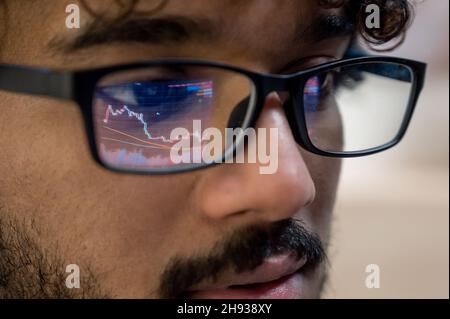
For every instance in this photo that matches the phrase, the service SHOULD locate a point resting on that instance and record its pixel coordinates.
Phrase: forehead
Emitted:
(225, 11)
(263, 28)
(250, 19)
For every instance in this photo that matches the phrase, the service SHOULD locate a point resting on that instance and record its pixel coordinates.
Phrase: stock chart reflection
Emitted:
(133, 121)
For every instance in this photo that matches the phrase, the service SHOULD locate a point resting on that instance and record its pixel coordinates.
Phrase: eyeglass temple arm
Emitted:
(36, 81)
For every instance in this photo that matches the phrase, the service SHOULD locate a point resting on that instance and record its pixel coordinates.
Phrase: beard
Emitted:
(30, 269)
(244, 251)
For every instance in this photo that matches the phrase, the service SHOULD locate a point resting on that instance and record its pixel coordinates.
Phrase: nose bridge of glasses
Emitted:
(280, 85)
(277, 83)
(284, 86)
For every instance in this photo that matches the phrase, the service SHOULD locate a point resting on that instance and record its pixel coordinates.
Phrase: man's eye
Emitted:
(327, 82)
(318, 90)
(158, 99)
(160, 93)
(119, 94)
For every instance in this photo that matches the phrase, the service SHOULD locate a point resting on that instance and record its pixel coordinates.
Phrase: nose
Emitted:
(228, 190)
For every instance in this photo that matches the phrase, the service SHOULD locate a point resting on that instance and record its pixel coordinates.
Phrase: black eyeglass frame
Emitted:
(79, 86)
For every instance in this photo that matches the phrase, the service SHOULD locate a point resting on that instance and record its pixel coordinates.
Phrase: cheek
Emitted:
(96, 216)
(43, 137)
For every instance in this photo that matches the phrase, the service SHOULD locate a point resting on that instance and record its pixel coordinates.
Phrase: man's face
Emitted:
(195, 233)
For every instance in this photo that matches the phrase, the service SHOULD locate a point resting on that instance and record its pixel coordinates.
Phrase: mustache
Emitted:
(244, 250)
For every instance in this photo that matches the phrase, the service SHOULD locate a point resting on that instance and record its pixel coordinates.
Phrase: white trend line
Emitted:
(138, 116)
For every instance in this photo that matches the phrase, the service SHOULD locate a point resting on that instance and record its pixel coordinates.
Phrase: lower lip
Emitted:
(287, 287)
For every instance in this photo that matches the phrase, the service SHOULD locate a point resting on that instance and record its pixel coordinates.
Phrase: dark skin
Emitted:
(127, 243)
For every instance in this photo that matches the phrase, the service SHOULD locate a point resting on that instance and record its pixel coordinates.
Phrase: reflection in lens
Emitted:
(358, 107)
(136, 112)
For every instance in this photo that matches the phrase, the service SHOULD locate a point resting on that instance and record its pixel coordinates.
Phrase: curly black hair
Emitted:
(395, 16)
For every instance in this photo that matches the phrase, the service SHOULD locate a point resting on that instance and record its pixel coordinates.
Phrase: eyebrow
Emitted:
(164, 30)
(174, 29)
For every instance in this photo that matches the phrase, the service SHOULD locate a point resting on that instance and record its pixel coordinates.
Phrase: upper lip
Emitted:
(272, 269)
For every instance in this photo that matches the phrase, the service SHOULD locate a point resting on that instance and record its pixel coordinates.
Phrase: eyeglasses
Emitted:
(346, 108)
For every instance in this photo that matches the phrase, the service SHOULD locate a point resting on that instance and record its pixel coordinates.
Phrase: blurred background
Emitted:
(393, 208)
